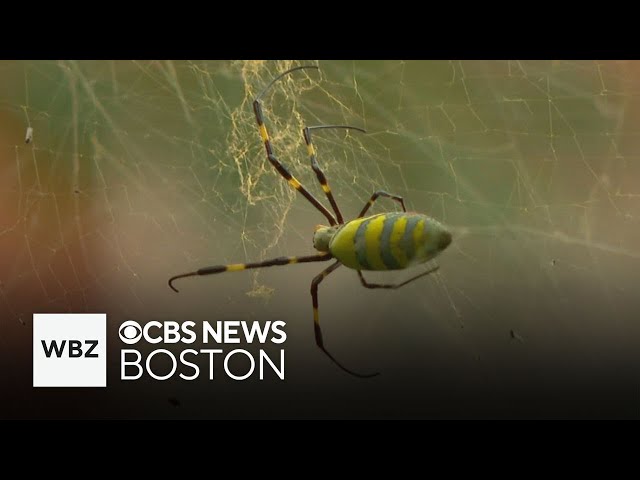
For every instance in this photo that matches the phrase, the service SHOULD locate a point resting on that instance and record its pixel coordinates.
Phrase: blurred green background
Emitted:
(140, 170)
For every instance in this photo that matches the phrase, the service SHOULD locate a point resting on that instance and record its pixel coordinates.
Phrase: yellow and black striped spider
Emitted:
(387, 241)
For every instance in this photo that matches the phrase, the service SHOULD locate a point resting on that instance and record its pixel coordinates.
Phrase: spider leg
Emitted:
(381, 193)
(236, 267)
(316, 321)
(392, 285)
(306, 132)
(281, 169)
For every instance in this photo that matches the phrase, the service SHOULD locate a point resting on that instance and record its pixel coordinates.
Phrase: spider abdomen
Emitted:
(389, 241)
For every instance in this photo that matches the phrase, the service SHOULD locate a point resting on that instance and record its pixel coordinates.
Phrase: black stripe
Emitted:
(385, 241)
(210, 270)
(406, 242)
(257, 109)
(360, 243)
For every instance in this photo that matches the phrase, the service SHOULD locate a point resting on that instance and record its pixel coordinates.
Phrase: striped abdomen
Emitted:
(389, 241)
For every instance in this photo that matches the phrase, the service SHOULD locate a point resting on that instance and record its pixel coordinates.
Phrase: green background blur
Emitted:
(141, 170)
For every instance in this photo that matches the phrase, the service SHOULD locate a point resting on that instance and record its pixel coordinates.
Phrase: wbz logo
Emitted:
(69, 350)
(75, 348)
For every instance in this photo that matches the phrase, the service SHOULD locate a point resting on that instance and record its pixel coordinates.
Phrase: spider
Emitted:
(386, 241)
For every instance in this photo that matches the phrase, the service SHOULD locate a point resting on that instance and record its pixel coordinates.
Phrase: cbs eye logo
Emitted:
(130, 332)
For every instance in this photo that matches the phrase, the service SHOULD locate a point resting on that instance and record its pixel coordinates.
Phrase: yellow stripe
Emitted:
(396, 235)
(294, 183)
(315, 315)
(293, 260)
(419, 235)
(372, 241)
(235, 267)
(326, 188)
(311, 150)
(263, 132)
(342, 244)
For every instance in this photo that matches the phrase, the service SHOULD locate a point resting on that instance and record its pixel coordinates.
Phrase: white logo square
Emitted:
(69, 350)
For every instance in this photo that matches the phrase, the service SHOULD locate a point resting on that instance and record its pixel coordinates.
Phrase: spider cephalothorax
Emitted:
(322, 237)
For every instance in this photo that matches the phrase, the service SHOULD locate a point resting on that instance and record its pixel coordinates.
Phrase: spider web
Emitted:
(141, 170)
(127, 158)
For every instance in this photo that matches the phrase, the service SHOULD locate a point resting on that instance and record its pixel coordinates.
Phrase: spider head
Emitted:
(322, 236)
